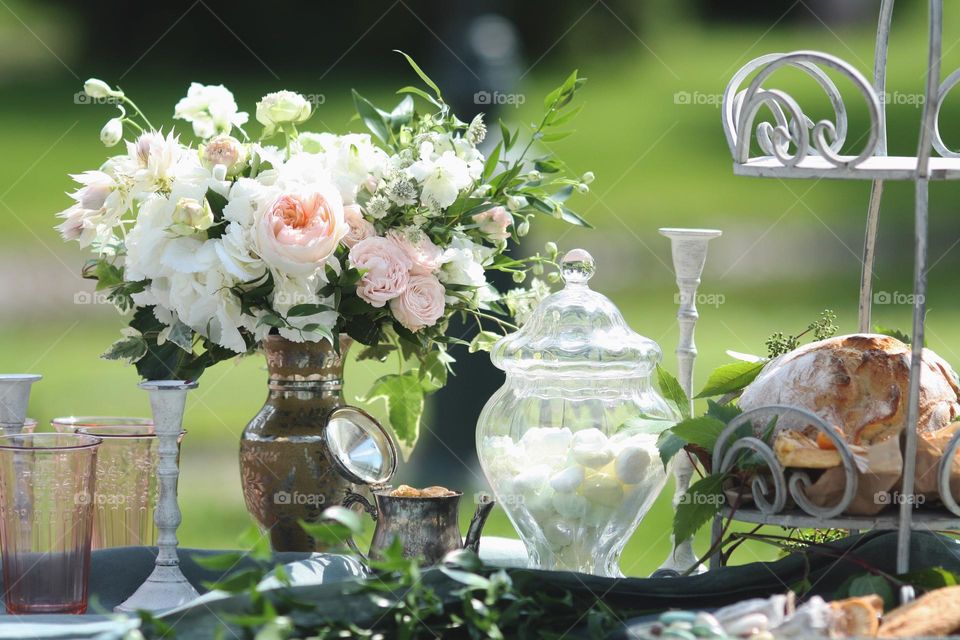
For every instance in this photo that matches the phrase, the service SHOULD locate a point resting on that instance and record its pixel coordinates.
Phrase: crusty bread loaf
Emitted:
(857, 384)
(933, 614)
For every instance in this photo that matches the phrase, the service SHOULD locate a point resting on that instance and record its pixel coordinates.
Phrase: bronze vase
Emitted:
(285, 465)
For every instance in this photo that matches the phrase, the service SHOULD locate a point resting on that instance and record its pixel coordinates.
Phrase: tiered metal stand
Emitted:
(796, 147)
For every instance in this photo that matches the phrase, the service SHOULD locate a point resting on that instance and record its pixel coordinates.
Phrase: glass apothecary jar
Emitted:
(566, 444)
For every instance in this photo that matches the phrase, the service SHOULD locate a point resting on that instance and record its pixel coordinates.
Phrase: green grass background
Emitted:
(789, 249)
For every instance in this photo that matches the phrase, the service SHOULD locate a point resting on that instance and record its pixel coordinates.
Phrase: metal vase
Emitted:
(689, 251)
(14, 396)
(166, 587)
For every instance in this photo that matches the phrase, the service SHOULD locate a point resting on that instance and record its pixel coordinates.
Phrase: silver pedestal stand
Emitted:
(795, 146)
(689, 251)
(166, 587)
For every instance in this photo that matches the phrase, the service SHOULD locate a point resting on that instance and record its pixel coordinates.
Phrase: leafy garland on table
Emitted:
(384, 236)
(488, 604)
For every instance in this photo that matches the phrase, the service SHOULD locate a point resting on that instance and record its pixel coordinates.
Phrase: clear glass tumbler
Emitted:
(126, 478)
(47, 483)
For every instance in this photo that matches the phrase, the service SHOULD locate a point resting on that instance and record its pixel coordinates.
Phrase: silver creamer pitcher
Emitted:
(428, 527)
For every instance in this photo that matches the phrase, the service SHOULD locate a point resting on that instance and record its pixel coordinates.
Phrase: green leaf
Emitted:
(337, 525)
(403, 395)
(929, 579)
(130, 349)
(893, 333)
(180, 335)
(731, 377)
(669, 445)
(483, 341)
(217, 202)
(698, 506)
(491, 164)
(423, 76)
(701, 431)
(505, 136)
(237, 582)
(375, 119)
(671, 390)
(556, 136)
(722, 412)
(647, 424)
(308, 309)
(423, 94)
(867, 585)
(402, 113)
(434, 370)
(108, 275)
(571, 217)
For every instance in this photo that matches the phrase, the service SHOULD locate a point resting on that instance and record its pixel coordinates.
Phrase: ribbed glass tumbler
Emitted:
(47, 484)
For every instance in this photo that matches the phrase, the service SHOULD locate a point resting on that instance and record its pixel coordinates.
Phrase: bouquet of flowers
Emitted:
(383, 236)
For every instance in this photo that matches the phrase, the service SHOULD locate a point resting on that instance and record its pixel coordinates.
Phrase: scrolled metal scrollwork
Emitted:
(791, 126)
(945, 87)
(946, 466)
(726, 457)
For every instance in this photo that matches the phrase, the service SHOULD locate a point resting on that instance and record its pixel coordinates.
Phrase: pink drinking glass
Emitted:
(47, 483)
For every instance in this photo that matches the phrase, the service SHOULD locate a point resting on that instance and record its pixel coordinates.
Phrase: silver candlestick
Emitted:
(166, 587)
(689, 250)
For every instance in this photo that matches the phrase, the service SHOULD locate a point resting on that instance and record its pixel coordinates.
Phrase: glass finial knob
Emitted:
(577, 266)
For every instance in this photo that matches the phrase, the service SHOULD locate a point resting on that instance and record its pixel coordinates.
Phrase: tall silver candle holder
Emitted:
(166, 587)
(689, 250)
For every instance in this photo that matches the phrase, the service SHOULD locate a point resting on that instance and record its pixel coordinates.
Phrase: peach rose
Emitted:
(300, 231)
(494, 223)
(421, 304)
(360, 229)
(387, 270)
(419, 248)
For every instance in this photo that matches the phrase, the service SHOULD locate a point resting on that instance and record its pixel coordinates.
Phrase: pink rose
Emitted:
(419, 248)
(300, 231)
(387, 270)
(494, 223)
(421, 304)
(360, 229)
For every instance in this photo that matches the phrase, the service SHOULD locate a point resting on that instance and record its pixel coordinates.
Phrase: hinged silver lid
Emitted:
(362, 450)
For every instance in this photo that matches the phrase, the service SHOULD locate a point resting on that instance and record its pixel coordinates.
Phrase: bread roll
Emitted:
(858, 384)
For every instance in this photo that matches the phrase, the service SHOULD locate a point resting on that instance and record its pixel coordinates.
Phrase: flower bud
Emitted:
(96, 88)
(537, 269)
(583, 188)
(112, 132)
(191, 215)
(523, 228)
(534, 176)
(519, 277)
(516, 202)
(226, 151)
(587, 178)
(551, 249)
(553, 277)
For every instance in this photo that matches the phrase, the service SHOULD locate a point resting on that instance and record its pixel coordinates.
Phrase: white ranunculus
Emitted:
(442, 178)
(211, 109)
(112, 132)
(282, 107)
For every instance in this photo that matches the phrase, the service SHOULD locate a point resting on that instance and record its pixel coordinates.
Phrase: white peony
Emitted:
(442, 177)
(211, 109)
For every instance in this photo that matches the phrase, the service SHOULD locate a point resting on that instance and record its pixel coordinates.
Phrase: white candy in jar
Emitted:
(558, 533)
(591, 448)
(570, 505)
(541, 443)
(568, 480)
(603, 489)
(632, 464)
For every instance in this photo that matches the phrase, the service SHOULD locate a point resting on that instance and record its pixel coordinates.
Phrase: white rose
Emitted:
(301, 229)
(282, 107)
(191, 215)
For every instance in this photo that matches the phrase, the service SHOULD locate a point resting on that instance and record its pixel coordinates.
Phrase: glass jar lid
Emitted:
(577, 331)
